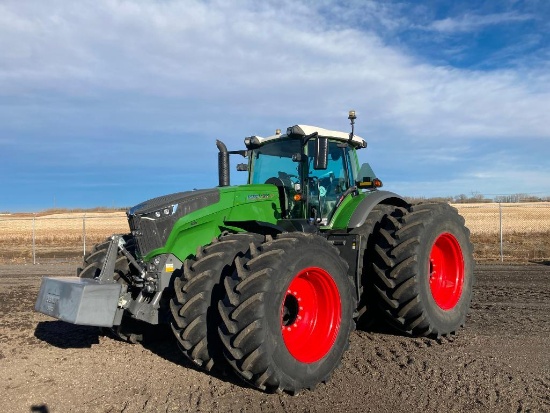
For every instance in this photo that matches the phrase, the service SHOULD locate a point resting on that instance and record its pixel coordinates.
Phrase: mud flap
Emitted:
(79, 300)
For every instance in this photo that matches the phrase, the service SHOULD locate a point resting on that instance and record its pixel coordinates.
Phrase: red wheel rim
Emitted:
(311, 312)
(446, 271)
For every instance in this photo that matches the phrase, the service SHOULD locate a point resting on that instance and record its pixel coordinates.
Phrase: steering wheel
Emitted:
(337, 187)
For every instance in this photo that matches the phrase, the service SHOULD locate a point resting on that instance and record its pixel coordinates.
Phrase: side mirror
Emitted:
(321, 153)
(242, 167)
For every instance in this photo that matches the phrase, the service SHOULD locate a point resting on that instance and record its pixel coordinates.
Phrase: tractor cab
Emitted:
(314, 168)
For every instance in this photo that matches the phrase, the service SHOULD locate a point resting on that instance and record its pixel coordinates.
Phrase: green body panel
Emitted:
(342, 216)
(237, 203)
(258, 202)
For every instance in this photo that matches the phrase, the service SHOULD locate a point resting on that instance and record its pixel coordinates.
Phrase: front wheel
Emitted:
(287, 314)
(423, 269)
(194, 308)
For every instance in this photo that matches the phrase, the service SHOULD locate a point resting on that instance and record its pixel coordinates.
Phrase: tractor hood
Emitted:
(152, 221)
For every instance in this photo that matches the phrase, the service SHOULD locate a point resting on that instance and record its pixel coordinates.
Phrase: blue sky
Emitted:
(109, 103)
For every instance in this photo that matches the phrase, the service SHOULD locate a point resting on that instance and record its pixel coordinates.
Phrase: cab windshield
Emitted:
(320, 190)
(275, 160)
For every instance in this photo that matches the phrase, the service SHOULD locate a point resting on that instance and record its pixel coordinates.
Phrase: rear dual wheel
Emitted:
(367, 315)
(422, 269)
(287, 314)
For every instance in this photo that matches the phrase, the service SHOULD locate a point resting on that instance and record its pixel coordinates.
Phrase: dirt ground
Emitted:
(499, 362)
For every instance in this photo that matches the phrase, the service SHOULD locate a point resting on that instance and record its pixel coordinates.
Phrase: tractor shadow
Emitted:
(540, 262)
(163, 344)
(379, 328)
(64, 335)
(160, 341)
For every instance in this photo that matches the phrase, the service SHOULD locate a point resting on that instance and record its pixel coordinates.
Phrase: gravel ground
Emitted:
(499, 362)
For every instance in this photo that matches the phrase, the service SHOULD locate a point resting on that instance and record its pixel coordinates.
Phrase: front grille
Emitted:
(145, 233)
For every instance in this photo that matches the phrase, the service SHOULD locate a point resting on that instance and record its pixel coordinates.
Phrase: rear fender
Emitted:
(364, 208)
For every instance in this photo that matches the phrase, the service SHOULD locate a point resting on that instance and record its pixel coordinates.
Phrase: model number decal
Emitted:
(259, 196)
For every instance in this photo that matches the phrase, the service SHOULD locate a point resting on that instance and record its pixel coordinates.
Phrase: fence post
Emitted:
(33, 240)
(84, 234)
(500, 218)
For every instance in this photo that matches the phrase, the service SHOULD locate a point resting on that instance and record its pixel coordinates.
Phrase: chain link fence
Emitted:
(509, 232)
(513, 232)
(33, 239)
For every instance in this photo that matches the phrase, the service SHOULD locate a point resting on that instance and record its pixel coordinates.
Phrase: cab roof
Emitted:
(306, 130)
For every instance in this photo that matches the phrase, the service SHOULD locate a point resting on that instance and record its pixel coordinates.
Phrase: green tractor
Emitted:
(272, 277)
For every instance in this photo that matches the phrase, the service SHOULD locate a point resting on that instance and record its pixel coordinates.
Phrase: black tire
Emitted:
(259, 312)
(424, 269)
(130, 330)
(93, 261)
(194, 309)
(367, 314)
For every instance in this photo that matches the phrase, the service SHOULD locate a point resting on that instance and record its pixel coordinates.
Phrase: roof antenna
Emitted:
(352, 117)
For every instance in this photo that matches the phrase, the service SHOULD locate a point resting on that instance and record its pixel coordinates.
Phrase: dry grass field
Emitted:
(60, 235)
(525, 230)
(56, 235)
(526, 217)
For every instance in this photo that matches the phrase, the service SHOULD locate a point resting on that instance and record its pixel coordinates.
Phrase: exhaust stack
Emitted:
(223, 163)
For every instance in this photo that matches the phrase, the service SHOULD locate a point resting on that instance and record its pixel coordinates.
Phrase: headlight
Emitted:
(170, 210)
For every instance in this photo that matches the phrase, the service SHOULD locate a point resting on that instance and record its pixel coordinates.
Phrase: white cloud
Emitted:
(267, 61)
(474, 22)
(194, 68)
